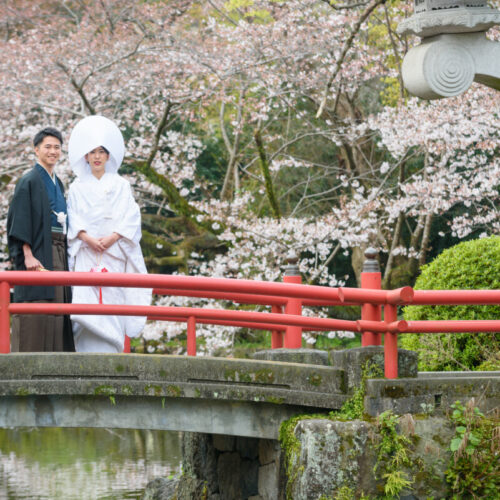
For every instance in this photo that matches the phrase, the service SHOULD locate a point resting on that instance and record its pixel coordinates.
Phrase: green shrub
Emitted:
(473, 468)
(470, 265)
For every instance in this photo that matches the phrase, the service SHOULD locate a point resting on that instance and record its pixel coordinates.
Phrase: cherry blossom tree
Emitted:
(256, 127)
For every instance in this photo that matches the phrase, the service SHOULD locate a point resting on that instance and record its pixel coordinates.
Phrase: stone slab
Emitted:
(352, 361)
(336, 454)
(432, 392)
(174, 414)
(306, 356)
(269, 481)
(171, 376)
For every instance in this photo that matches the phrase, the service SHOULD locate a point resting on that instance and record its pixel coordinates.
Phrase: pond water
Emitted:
(84, 464)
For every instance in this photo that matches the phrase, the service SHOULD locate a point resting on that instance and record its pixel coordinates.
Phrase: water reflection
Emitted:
(83, 464)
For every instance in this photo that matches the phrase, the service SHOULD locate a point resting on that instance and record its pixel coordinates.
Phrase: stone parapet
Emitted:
(305, 356)
(352, 362)
(432, 392)
(177, 377)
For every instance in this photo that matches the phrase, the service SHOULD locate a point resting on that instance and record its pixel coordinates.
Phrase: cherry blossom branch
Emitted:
(325, 264)
(234, 148)
(344, 6)
(395, 50)
(345, 48)
(77, 87)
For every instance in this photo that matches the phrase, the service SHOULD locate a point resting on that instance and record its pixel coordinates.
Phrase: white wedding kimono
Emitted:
(101, 207)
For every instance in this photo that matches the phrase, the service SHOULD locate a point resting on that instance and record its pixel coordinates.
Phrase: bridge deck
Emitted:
(217, 395)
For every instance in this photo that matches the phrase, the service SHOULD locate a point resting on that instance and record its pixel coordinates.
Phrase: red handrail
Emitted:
(286, 326)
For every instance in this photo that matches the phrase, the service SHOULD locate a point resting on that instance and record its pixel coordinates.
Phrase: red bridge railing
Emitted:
(285, 321)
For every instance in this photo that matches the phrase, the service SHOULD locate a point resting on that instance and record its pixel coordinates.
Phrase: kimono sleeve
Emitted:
(76, 223)
(129, 224)
(19, 221)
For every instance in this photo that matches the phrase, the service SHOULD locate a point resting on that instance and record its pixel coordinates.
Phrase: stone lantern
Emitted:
(454, 51)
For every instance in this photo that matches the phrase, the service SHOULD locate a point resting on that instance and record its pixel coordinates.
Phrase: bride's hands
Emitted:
(94, 243)
(107, 241)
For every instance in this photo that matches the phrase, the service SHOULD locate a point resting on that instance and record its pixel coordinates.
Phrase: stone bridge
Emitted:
(211, 395)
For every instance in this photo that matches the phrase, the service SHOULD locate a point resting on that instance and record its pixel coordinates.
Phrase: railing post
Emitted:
(390, 343)
(276, 335)
(293, 334)
(4, 317)
(191, 336)
(126, 346)
(371, 278)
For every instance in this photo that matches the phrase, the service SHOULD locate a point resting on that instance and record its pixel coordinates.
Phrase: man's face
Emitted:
(48, 152)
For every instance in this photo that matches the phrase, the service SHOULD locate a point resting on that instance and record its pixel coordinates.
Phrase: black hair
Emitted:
(107, 152)
(47, 132)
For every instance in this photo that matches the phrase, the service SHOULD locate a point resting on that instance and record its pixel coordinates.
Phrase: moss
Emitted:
(275, 400)
(394, 392)
(197, 393)
(174, 391)
(266, 376)
(236, 376)
(153, 390)
(163, 373)
(22, 391)
(393, 454)
(127, 390)
(354, 407)
(105, 390)
(315, 379)
(119, 368)
(291, 448)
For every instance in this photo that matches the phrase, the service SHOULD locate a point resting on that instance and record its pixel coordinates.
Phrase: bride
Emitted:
(103, 233)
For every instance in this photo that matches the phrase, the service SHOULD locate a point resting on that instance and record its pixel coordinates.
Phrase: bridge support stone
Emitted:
(218, 466)
(335, 455)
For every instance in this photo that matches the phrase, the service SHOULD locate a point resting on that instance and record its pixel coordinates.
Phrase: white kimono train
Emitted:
(101, 207)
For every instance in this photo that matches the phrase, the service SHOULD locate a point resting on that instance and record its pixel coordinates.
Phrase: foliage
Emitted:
(346, 493)
(469, 265)
(473, 468)
(393, 455)
(354, 407)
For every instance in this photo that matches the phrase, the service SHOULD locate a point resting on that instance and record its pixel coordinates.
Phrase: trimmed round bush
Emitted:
(470, 265)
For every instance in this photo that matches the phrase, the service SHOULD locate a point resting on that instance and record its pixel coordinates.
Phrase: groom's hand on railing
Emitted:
(30, 261)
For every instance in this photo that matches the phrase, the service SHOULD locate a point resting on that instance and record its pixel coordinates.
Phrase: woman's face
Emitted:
(97, 159)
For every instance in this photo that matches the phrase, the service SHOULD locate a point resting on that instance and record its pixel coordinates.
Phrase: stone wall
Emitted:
(220, 467)
(335, 456)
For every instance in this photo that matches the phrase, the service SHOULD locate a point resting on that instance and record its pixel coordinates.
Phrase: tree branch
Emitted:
(345, 48)
(78, 88)
(264, 166)
(159, 131)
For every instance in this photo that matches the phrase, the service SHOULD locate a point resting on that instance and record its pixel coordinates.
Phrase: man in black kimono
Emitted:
(36, 230)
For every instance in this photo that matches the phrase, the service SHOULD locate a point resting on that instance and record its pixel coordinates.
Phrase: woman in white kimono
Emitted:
(103, 234)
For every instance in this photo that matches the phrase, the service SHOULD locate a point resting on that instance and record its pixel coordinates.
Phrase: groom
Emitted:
(36, 231)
